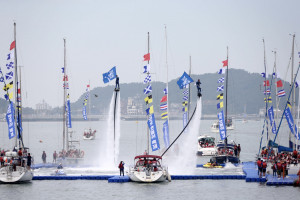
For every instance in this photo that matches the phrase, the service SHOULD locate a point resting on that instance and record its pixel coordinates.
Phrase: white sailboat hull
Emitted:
(7, 175)
(92, 137)
(208, 151)
(145, 177)
(215, 128)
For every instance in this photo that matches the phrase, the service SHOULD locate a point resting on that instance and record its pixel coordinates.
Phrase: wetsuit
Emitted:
(117, 83)
(198, 87)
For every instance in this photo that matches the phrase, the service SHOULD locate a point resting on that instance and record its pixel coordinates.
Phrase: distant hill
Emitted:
(245, 94)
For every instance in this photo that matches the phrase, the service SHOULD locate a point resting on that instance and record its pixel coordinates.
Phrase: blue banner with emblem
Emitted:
(222, 127)
(290, 120)
(84, 113)
(153, 133)
(69, 122)
(185, 120)
(272, 121)
(166, 134)
(10, 118)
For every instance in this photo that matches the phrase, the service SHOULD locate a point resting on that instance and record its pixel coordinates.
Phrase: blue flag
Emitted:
(84, 113)
(10, 118)
(290, 120)
(146, 68)
(184, 116)
(272, 121)
(69, 122)
(153, 133)
(148, 89)
(110, 75)
(222, 127)
(166, 134)
(184, 80)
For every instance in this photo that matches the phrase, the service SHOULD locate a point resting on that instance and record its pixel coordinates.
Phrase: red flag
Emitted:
(225, 63)
(268, 84)
(88, 86)
(12, 45)
(164, 98)
(279, 83)
(147, 57)
(65, 78)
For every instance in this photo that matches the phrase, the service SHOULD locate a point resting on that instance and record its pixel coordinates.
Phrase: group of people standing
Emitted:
(20, 158)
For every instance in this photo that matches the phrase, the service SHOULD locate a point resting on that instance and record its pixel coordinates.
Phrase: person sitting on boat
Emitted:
(198, 88)
(59, 166)
(117, 82)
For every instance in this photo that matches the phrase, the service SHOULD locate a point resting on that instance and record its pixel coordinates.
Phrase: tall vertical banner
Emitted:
(184, 120)
(10, 118)
(84, 113)
(153, 133)
(272, 121)
(222, 127)
(290, 120)
(166, 134)
(69, 122)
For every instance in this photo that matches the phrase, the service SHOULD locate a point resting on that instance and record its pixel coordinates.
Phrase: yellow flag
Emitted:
(8, 86)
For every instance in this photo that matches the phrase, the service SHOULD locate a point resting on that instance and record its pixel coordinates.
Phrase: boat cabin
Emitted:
(224, 159)
(206, 141)
(148, 161)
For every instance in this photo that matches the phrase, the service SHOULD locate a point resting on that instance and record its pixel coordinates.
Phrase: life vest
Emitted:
(258, 163)
(279, 166)
(264, 165)
(121, 165)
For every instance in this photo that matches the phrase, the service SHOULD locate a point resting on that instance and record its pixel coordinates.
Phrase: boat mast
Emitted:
(189, 100)
(167, 78)
(90, 100)
(148, 135)
(276, 90)
(293, 94)
(65, 128)
(16, 86)
(266, 95)
(226, 94)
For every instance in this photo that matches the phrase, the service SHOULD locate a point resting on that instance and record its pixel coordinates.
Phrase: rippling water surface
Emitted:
(47, 136)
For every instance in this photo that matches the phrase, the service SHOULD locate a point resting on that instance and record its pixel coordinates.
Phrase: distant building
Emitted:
(42, 108)
(134, 106)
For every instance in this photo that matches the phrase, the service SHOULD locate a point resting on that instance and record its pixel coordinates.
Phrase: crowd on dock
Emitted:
(279, 162)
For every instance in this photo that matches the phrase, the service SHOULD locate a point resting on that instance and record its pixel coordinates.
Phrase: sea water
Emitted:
(47, 136)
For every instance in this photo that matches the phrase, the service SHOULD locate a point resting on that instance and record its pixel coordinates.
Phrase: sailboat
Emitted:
(70, 152)
(148, 168)
(88, 134)
(215, 126)
(225, 147)
(289, 113)
(15, 167)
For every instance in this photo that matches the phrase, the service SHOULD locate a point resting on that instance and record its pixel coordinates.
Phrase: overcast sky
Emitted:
(103, 34)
